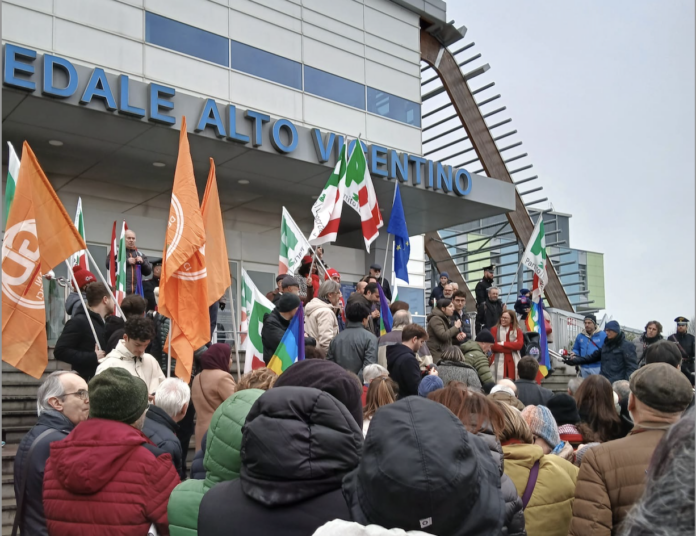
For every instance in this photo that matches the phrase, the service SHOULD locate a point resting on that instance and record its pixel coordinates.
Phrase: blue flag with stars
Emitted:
(402, 247)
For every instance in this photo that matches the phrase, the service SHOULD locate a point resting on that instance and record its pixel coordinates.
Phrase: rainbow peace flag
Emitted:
(291, 348)
(535, 322)
(385, 319)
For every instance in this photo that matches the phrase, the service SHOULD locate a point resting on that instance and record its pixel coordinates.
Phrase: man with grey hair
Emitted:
(505, 391)
(321, 322)
(401, 319)
(171, 402)
(490, 310)
(574, 385)
(62, 402)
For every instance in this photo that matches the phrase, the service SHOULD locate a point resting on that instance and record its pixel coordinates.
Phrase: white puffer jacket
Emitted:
(321, 322)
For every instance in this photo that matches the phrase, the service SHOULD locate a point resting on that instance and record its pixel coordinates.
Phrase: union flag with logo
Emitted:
(39, 236)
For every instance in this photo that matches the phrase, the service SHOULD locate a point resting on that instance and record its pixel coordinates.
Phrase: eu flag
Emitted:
(402, 247)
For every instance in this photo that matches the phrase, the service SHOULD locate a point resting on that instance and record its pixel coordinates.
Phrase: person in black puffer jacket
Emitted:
(297, 445)
(276, 323)
(481, 416)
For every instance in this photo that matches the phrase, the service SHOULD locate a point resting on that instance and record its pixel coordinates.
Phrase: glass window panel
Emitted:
(415, 297)
(183, 38)
(264, 281)
(225, 329)
(334, 87)
(266, 65)
(393, 107)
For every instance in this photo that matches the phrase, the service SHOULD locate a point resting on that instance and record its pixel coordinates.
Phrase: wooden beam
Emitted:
(470, 116)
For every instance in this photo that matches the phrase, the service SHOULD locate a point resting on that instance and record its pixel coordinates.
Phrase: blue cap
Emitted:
(524, 291)
(444, 274)
(613, 325)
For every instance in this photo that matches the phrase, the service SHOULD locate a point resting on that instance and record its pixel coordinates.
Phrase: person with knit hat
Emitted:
(564, 410)
(276, 323)
(105, 459)
(586, 342)
(429, 384)
(83, 278)
(612, 475)
(543, 426)
(438, 292)
(617, 356)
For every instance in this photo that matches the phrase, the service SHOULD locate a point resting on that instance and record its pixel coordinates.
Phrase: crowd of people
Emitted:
(441, 429)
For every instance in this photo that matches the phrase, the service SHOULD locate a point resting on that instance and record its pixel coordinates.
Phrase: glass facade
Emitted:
(334, 87)
(265, 65)
(393, 107)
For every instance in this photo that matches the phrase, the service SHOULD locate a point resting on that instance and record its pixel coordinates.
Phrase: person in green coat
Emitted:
(222, 462)
(476, 355)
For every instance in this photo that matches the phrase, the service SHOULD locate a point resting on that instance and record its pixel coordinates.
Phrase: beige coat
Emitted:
(210, 389)
(146, 367)
(321, 322)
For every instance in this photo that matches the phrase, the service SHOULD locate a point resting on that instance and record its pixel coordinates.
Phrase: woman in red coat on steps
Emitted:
(506, 350)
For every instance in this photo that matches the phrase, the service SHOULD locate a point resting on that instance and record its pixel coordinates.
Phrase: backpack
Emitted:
(531, 346)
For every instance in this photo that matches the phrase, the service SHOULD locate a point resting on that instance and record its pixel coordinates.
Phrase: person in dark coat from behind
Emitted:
(297, 445)
(421, 470)
(402, 362)
(528, 390)
(276, 323)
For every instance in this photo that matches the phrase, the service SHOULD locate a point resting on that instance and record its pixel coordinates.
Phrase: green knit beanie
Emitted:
(117, 395)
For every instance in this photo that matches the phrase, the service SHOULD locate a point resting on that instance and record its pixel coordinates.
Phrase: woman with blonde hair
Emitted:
(506, 350)
(382, 391)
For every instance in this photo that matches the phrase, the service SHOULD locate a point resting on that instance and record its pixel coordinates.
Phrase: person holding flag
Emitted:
(254, 309)
(292, 345)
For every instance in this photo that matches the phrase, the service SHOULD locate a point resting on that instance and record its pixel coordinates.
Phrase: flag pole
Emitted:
(386, 252)
(84, 305)
(235, 332)
(514, 281)
(107, 285)
(169, 350)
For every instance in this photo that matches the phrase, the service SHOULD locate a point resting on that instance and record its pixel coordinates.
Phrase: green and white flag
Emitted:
(293, 245)
(254, 307)
(328, 207)
(80, 258)
(12, 175)
(121, 261)
(534, 258)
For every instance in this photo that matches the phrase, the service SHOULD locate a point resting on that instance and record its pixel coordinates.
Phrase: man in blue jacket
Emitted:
(587, 342)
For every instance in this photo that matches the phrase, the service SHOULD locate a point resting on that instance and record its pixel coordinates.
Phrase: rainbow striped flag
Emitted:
(291, 348)
(535, 322)
(385, 318)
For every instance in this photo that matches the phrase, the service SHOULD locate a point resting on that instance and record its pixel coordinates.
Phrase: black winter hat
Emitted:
(421, 470)
(117, 395)
(485, 336)
(564, 409)
(326, 376)
(287, 302)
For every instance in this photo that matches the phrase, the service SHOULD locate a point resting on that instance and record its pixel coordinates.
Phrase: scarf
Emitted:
(217, 357)
(509, 369)
(649, 340)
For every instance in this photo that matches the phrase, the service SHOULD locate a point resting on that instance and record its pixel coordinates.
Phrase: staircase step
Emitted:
(18, 418)
(18, 402)
(7, 488)
(14, 434)
(8, 512)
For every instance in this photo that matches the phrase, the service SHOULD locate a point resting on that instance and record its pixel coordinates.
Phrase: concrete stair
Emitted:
(558, 381)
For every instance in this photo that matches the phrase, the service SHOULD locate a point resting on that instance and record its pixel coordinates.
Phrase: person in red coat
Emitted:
(506, 350)
(106, 478)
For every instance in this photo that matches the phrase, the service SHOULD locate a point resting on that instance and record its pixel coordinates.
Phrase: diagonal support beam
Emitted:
(454, 83)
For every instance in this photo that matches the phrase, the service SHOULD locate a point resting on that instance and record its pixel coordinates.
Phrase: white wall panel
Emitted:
(264, 35)
(392, 81)
(106, 14)
(333, 26)
(392, 29)
(411, 69)
(202, 14)
(284, 6)
(334, 60)
(26, 27)
(99, 48)
(334, 39)
(41, 5)
(187, 73)
(251, 92)
(273, 16)
(394, 10)
(393, 135)
(406, 54)
(333, 117)
(347, 11)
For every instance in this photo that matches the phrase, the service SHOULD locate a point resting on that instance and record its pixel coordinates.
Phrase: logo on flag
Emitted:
(254, 307)
(293, 245)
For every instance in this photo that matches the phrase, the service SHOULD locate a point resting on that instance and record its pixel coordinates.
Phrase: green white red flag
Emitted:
(80, 258)
(121, 260)
(254, 307)
(328, 207)
(293, 245)
(12, 175)
(360, 195)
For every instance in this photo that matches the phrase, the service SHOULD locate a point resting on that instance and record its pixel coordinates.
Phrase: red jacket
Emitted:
(107, 479)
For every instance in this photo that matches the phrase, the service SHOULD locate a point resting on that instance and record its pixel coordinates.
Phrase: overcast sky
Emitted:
(602, 94)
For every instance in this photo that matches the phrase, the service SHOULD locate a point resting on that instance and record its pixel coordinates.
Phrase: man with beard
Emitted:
(687, 346)
(483, 286)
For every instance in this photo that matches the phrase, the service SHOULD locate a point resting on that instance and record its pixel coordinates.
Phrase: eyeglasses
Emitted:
(83, 394)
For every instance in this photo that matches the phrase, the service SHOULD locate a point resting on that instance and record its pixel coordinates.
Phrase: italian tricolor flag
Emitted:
(12, 175)
(80, 258)
(328, 207)
(293, 245)
(254, 307)
(121, 259)
(360, 195)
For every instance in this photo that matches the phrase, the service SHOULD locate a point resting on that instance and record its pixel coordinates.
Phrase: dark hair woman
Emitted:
(599, 420)
(441, 329)
(652, 334)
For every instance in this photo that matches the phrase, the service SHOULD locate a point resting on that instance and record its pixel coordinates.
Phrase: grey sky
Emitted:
(602, 94)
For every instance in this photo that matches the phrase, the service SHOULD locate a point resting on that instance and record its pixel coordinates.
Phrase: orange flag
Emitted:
(183, 283)
(38, 237)
(216, 259)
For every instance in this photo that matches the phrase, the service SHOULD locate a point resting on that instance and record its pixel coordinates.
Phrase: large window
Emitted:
(334, 87)
(183, 38)
(415, 297)
(393, 107)
(266, 65)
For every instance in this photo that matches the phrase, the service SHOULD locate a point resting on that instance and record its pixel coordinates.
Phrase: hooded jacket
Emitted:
(222, 462)
(297, 445)
(474, 356)
(403, 369)
(75, 345)
(354, 348)
(161, 429)
(440, 333)
(394, 337)
(146, 367)
(549, 510)
(321, 322)
(73, 303)
(33, 521)
(274, 327)
(617, 357)
(458, 371)
(107, 479)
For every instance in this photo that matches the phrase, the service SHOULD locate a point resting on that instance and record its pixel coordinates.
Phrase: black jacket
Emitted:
(131, 280)
(686, 344)
(274, 327)
(531, 393)
(465, 327)
(436, 294)
(488, 314)
(161, 429)
(76, 343)
(298, 443)
(34, 521)
(482, 291)
(149, 287)
(617, 356)
(404, 369)
(386, 287)
(197, 468)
